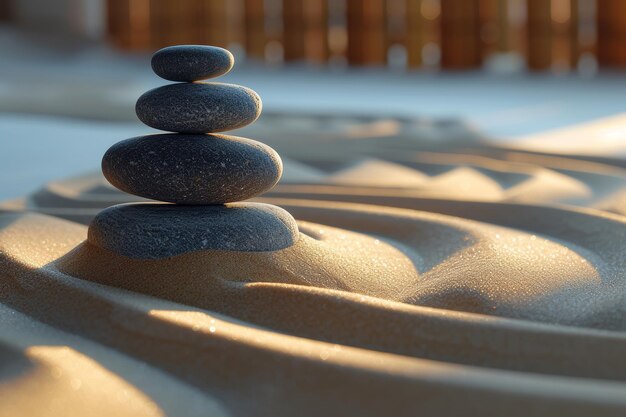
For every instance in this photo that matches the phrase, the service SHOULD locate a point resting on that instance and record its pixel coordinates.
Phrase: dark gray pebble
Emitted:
(192, 169)
(153, 231)
(198, 107)
(189, 63)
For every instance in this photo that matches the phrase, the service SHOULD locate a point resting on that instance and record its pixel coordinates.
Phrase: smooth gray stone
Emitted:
(198, 107)
(189, 63)
(192, 169)
(153, 230)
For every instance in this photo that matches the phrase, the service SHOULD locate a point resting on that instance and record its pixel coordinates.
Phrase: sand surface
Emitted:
(428, 278)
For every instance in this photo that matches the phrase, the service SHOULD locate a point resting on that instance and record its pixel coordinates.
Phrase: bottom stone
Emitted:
(155, 230)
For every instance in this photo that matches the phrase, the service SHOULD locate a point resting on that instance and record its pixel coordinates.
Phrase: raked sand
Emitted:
(426, 280)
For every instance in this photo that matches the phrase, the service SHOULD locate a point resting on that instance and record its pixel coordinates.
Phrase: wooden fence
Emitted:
(451, 34)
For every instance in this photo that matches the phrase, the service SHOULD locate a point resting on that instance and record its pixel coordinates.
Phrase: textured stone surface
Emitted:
(192, 169)
(198, 107)
(191, 62)
(152, 230)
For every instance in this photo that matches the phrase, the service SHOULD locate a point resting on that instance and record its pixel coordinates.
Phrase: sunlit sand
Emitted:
(394, 292)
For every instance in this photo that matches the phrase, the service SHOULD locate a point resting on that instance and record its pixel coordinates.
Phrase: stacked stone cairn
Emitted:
(204, 174)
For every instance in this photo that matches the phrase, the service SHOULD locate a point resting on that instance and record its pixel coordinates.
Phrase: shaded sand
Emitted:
(47, 372)
(261, 338)
(322, 257)
(437, 261)
(477, 173)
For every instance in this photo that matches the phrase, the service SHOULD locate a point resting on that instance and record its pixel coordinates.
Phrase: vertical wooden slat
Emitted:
(316, 40)
(170, 23)
(355, 31)
(182, 22)
(118, 23)
(460, 34)
(415, 32)
(235, 22)
(539, 34)
(139, 24)
(611, 23)
(366, 23)
(188, 21)
(197, 21)
(305, 30)
(159, 24)
(294, 30)
(604, 32)
(207, 22)
(574, 34)
(214, 26)
(618, 31)
(254, 27)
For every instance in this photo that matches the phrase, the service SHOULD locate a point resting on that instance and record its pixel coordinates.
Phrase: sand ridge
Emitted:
(325, 320)
(472, 278)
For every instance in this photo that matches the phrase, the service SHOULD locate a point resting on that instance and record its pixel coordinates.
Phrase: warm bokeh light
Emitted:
(548, 35)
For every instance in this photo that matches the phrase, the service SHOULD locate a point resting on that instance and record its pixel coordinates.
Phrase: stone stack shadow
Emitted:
(203, 173)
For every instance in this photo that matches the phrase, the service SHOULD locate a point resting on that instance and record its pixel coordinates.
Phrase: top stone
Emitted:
(188, 63)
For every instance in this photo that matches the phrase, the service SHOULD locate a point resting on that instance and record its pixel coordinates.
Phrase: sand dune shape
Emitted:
(457, 278)
(313, 348)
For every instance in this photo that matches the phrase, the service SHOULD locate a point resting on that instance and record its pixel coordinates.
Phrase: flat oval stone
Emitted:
(192, 169)
(153, 230)
(198, 107)
(189, 63)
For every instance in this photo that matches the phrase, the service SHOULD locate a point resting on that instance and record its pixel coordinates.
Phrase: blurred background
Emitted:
(504, 35)
(514, 71)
